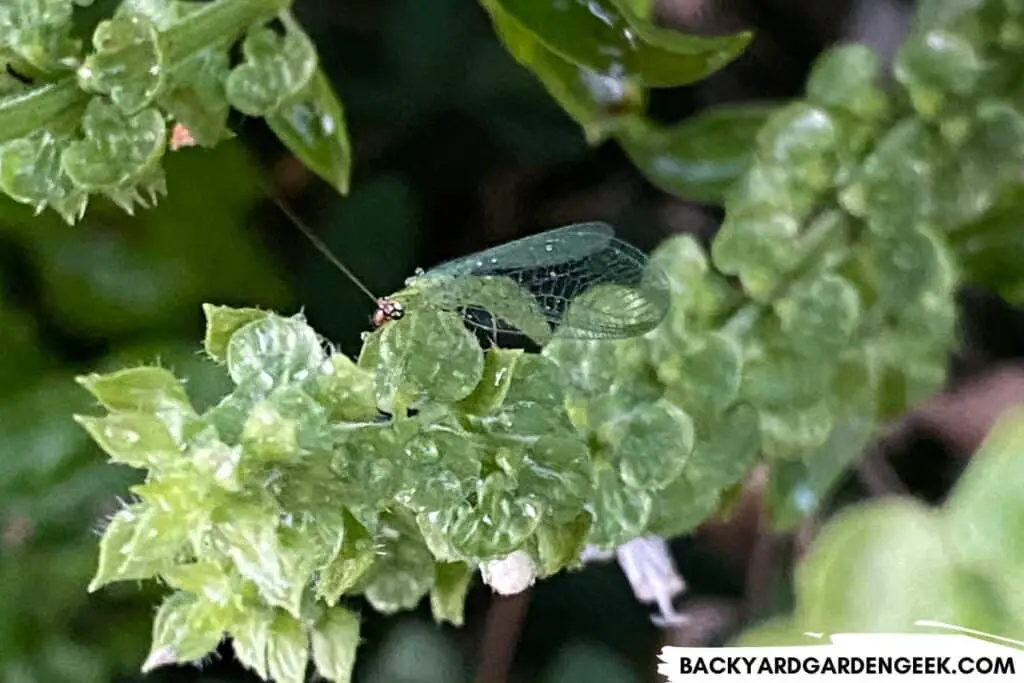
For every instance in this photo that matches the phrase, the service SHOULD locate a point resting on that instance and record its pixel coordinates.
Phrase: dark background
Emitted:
(456, 148)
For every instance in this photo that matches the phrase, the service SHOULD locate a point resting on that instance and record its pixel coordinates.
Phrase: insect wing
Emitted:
(586, 283)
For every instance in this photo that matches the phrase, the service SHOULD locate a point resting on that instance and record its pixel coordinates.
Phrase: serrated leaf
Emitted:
(706, 376)
(273, 351)
(286, 426)
(335, 638)
(128, 63)
(185, 629)
(312, 125)
(440, 468)
(250, 636)
(205, 579)
(789, 433)
(195, 96)
(349, 565)
(119, 155)
(700, 158)
(655, 444)
(146, 389)
(221, 324)
(682, 506)
(606, 39)
(137, 439)
(448, 594)
(31, 173)
(121, 556)
(280, 564)
(40, 32)
(276, 68)
(936, 66)
(558, 472)
(287, 650)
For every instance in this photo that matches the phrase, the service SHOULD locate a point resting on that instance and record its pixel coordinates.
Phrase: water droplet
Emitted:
(479, 264)
(417, 271)
(601, 13)
(363, 336)
(548, 247)
(327, 124)
(154, 70)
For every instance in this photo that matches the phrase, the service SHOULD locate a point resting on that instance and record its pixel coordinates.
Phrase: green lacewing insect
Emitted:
(579, 281)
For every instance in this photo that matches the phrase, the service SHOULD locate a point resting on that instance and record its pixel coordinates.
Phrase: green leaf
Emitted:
(603, 38)
(250, 637)
(120, 559)
(194, 96)
(596, 101)
(276, 68)
(820, 316)
(185, 629)
(499, 522)
(448, 595)
(985, 513)
(700, 158)
(654, 446)
(428, 352)
(39, 31)
(799, 488)
(312, 125)
(205, 579)
(345, 390)
(119, 155)
(146, 389)
(401, 577)
(935, 65)
(221, 324)
(728, 452)
(348, 566)
(31, 173)
(273, 351)
(705, 376)
(560, 546)
(489, 394)
(287, 650)
(335, 638)
(137, 439)
(128, 65)
(990, 249)
(853, 581)
(846, 78)
(620, 513)
(278, 563)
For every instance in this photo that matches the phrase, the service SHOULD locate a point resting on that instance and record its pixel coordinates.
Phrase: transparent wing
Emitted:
(584, 283)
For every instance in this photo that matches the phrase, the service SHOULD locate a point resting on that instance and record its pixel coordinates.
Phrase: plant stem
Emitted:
(220, 22)
(501, 634)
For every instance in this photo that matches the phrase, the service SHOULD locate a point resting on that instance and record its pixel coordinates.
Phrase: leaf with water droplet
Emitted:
(39, 31)
(608, 38)
(119, 155)
(344, 389)
(250, 635)
(119, 559)
(654, 446)
(128, 62)
(620, 513)
(274, 351)
(31, 173)
(312, 125)
(137, 439)
(276, 68)
(559, 546)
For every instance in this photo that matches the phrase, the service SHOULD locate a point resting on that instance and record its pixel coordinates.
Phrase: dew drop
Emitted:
(549, 247)
(417, 271)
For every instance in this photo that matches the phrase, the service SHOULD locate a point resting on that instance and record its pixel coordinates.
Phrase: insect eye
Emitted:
(397, 313)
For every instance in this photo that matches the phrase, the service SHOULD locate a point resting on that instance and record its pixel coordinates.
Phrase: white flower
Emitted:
(510, 575)
(651, 573)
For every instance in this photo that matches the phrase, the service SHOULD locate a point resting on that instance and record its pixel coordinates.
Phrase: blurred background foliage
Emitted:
(455, 147)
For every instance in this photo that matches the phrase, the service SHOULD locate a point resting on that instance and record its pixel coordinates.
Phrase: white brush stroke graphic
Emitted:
(964, 656)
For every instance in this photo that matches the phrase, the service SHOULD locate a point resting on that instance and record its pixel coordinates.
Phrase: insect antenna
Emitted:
(317, 242)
